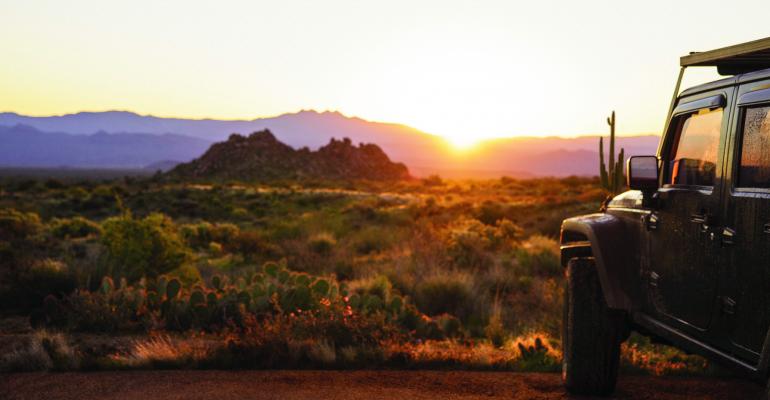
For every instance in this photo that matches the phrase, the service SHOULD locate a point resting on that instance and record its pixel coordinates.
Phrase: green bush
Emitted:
(539, 256)
(138, 248)
(18, 227)
(71, 228)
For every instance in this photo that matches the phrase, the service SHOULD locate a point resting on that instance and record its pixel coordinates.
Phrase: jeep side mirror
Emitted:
(642, 173)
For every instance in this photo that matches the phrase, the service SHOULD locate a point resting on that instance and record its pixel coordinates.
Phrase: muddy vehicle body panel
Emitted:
(690, 261)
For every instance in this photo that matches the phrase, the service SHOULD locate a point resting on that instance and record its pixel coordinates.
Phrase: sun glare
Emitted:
(462, 142)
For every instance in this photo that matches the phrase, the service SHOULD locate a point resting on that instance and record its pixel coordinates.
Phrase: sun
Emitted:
(462, 142)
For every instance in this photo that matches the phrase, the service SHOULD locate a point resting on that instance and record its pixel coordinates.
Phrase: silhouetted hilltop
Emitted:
(261, 157)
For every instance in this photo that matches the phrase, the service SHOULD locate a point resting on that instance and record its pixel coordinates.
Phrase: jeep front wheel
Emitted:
(591, 333)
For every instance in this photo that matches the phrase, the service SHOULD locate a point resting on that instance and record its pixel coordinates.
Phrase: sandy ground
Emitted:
(367, 385)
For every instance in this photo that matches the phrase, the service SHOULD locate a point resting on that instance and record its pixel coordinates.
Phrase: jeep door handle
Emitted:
(699, 218)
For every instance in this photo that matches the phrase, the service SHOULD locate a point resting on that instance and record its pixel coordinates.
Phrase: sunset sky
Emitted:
(462, 69)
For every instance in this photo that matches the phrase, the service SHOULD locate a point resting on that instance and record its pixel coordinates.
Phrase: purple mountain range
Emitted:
(120, 139)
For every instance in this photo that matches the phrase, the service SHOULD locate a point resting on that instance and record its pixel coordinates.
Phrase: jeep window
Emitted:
(694, 151)
(754, 170)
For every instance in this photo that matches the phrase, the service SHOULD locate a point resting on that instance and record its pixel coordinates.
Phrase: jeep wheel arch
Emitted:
(603, 236)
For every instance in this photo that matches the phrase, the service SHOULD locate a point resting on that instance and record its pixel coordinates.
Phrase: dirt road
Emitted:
(368, 385)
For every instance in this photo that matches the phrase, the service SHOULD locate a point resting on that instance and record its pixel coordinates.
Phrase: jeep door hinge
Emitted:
(728, 237)
(651, 222)
(654, 277)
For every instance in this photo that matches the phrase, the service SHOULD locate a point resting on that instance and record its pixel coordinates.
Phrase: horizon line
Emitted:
(328, 111)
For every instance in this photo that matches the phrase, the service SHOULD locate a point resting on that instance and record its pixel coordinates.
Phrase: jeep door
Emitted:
(745, 236)
(683, 269)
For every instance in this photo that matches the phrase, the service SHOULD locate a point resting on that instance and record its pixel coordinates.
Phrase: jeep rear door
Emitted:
(745, 235)
(683, 257)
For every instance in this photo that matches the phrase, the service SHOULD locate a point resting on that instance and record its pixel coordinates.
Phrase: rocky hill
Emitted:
(261, 157)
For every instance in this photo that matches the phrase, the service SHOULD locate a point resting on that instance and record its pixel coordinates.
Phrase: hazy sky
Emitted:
(463, 69)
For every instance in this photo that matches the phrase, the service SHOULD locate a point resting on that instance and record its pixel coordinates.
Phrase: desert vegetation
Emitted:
(418, 273)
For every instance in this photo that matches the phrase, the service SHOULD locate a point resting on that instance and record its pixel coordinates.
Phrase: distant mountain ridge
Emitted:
(261, 157)
(26, 146)
(421, 152)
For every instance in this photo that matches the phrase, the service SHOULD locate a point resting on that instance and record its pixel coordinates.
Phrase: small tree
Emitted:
(611, 178)
(139, 248)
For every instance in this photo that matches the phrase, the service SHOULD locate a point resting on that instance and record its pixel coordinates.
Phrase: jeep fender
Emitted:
(602, 236)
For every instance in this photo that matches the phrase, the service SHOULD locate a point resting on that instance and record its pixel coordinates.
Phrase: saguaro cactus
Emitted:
(612, 177)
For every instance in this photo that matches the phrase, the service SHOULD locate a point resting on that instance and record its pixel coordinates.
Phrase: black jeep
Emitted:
(683, 257)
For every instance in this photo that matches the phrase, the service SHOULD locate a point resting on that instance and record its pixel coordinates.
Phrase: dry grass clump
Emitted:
(526, 353)
(162, 351)
(43, 351)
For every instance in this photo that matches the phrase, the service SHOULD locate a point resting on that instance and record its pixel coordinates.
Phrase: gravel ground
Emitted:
(368, 385)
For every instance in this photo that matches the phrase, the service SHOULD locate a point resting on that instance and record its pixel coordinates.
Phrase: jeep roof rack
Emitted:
(730, 60)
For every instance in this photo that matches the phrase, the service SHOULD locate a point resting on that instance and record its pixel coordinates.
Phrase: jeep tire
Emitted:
(591, 333)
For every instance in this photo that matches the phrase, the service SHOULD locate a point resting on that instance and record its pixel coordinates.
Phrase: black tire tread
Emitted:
(592, 333)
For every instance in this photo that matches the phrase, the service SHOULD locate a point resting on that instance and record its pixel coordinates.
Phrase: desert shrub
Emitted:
(432, 181)
(322, 243)
(378, 286)
(506, 232)
(187, 273)
(44, 277)
(344, 270)
(495, 331)
(77, 227)
(198, 236)
(450, 326)
(449, 293)
(252, 244)
(21, 239)
(101, 197)
(215, 248)
(376, 239)
(539, 255)
(76, 192)
(137, 248)
(489, 212)
(467, 244)
(18, 227)
(26, 273)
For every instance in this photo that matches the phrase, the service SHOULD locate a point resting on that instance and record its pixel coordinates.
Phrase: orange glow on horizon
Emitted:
(450, 68)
